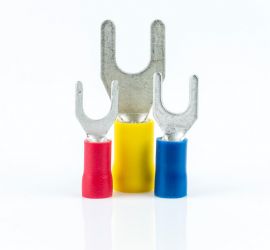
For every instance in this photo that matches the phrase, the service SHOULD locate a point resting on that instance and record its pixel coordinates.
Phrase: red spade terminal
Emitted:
(97, 177)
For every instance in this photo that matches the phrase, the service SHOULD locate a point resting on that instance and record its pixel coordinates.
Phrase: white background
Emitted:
(46, 46)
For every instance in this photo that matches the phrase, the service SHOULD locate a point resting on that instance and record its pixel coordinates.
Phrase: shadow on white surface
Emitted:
(135, 221)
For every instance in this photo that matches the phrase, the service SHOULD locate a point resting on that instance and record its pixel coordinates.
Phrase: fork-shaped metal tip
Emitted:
(96, 129)
(174, 125)
(136, 89)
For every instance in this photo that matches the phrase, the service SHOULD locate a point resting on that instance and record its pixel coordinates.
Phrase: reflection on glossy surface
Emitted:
(170, 220)
(97, 216)
(135, 222)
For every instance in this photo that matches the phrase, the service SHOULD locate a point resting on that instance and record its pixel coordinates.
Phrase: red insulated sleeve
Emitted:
(97, 177)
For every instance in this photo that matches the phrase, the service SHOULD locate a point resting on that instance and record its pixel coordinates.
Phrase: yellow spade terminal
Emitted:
(133, 168)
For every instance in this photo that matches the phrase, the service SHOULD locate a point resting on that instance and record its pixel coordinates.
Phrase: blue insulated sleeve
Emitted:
(171, 177)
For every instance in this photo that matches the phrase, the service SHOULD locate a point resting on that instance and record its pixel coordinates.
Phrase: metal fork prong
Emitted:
(107, 43)
(157, 41)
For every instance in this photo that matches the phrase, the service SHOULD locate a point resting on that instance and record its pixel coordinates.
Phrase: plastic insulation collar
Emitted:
(171, 177)
(133, 170)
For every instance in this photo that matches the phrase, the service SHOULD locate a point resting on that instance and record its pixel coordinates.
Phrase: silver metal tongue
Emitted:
(96, 130)
(174, 125)
(136, 90)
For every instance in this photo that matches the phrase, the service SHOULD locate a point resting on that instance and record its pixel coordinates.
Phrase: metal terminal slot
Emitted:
(96, 130)
(136, 90)
(175, 126)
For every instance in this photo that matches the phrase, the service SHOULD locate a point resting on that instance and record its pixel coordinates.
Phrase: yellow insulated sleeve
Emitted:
(133, 169)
